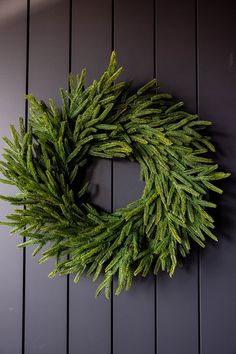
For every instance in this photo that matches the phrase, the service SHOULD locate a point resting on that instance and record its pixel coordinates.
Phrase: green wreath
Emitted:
(47, 164)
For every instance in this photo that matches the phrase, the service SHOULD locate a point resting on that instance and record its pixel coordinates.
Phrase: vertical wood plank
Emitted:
(90, 325)
(177, 298)
(13, 24)
(217, 101)
(134, 311)
(46, 298)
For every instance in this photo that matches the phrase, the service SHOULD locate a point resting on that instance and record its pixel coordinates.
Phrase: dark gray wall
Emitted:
(190, 47)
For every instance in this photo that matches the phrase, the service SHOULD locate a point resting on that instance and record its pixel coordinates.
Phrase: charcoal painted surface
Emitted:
(189, 45)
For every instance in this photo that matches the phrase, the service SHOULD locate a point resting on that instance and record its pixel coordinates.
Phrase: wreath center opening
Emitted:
(113, 187)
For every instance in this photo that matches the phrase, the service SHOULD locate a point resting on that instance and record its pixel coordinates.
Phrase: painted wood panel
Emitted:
(13, 25)
(217, 101)
(134, 311)
(46, 299)
(177, 298)
(90, 318)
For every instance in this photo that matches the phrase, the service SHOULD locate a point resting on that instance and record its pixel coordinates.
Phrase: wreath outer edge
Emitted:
(47, 162)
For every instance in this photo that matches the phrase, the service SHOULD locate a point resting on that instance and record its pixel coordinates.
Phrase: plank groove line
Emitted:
(26, 125)
(199, 318)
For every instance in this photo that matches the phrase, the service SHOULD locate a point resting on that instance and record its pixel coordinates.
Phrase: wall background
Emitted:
(190, 46)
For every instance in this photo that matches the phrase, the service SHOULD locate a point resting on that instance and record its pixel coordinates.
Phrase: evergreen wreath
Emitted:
(47, 163)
